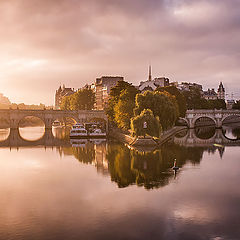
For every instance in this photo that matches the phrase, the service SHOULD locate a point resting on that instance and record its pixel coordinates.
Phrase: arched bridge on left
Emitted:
(14, 116)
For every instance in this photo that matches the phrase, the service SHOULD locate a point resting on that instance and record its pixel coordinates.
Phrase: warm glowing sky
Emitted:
(47, 42)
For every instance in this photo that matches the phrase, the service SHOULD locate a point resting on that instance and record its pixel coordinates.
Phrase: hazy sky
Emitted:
(47, 42)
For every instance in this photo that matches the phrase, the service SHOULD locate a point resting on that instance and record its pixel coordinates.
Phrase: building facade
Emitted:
(103, 86)
(221, 91)
(153, 84)
(60, 93)
(210, 94)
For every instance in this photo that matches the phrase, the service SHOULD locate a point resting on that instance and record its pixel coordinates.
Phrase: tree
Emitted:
(152, 125)
(66, 104)
(236, 105)
(216, 104)
(81, 100)
(114, 97)
(181, 101)
(162, 105)
(123, 109)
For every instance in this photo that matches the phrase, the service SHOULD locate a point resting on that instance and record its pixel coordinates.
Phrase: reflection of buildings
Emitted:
(100, 160)
(60, 93)
(103, 86)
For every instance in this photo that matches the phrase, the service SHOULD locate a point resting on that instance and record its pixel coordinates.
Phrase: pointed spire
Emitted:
(150, 73)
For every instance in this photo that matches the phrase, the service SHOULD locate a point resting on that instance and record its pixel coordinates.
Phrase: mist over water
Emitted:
(103, 190)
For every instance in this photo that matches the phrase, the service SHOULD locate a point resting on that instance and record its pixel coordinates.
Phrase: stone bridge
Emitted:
(191, 140)
(14, 139)
(49, 116)
(218, 116)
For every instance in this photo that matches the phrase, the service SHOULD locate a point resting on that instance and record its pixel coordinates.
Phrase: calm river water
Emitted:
(55, 189)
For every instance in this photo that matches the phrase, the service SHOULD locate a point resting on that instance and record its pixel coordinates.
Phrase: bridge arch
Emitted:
(199, 117)
(229, 116)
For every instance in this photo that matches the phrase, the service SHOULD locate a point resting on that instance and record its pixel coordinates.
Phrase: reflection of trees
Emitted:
(120, 165)
(152, 169)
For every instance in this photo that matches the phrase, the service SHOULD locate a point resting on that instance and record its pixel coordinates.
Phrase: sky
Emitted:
(50, 42)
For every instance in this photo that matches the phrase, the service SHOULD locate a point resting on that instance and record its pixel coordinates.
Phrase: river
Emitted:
(57, 189)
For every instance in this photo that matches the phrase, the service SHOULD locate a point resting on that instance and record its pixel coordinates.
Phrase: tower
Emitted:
(150, 73)
(221, 91)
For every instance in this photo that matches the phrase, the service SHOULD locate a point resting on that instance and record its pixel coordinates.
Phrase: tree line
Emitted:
(152, 112)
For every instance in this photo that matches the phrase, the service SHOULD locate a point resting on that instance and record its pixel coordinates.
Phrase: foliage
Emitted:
(83, 99)
(123, 109)
(181, 101)
(153, 126)
(162, 105)
(216, 104)
(236, 105)
(66, 103)
(114, 97)
(195, 100)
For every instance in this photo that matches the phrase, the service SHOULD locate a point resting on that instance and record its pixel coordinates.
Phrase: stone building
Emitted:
(210, 94)
(152, 84)
(60, 93)
(221, 91)
(102, 89)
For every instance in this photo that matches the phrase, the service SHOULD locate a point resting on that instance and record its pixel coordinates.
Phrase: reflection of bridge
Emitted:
(191, 140)
(49, 116)
(15, 140)
(218, 116)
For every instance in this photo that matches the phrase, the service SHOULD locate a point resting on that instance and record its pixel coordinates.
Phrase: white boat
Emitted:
(78, 133)
(97, 133)
(77, 126)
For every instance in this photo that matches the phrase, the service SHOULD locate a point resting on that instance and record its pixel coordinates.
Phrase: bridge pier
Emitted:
(14, 123)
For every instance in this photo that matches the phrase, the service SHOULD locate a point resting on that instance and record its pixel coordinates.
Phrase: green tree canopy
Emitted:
(114, 96)
(152, 125)
(83, 99)
(162, 105)
(181, 101)
(236, 105)
(195, 100)
(123, 109)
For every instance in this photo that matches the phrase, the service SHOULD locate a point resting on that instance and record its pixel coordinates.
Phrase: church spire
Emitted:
(150, 73)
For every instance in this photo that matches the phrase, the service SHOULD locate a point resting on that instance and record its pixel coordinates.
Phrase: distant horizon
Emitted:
(73, 42)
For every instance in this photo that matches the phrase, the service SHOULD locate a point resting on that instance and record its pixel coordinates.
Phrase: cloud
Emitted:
(79, 40)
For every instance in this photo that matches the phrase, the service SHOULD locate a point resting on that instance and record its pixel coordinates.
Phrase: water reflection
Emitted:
(56, 192)
(232, 133)
(205, 132)
(126, 166)
(4, 133)
(32, 133)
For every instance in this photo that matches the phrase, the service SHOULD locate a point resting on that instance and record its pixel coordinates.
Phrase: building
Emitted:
(221, 91)
(60, 93)
(102, 89)
(210, 94)
(185, 86)
(230, 103)
(152, 85)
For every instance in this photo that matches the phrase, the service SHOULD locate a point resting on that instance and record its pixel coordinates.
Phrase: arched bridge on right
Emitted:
(217, 116)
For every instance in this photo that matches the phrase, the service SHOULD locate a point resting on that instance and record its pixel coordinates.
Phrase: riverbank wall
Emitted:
(145, 141)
